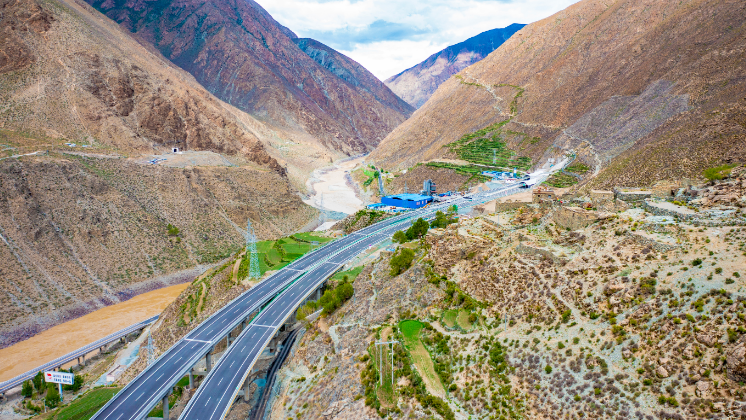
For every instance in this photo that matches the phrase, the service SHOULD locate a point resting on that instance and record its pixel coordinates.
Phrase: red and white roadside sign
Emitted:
(59, 378)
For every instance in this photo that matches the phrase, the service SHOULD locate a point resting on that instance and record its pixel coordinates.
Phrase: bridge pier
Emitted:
(208, 361)
(246, 385)
(191, 379)
(165, 405)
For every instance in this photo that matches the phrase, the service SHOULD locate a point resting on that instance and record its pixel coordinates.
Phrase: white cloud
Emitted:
(389, 36)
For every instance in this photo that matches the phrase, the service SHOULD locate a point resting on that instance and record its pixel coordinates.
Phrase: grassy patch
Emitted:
(449, 318)
(86, 406)
(351, 274)
(463, 320)
(560, 180)
(411, 332)
(487, 147)
(578, 168)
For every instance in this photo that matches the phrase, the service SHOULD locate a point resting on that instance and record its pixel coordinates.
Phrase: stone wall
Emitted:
(658, 246)
(531, 249)
(574, 217)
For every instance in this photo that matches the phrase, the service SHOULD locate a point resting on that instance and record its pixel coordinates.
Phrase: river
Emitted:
(64, 338)
(331, 191)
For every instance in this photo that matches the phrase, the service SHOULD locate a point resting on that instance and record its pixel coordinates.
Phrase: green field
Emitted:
(488, 147)
(420, 356)
(457, 317)
(560, 180)
(274, 255)
(86, 406)
(351, 274)
(449, 318)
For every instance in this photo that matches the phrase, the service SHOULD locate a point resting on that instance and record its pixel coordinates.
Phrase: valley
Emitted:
(541, 221)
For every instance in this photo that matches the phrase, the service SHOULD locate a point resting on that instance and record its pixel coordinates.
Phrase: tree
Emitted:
(27, 389)
(418, 229)
(344, 291)
(53, 396)
(38, 382)
(401, 261)
(442, 220)
(399, 237)
(77, 384)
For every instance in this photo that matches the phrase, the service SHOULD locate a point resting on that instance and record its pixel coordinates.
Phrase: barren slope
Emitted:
(587, 64)
(79, 232)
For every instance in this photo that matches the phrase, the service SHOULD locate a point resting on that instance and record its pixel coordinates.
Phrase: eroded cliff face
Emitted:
(242, 55)
(78, 233)
(417, 84)
(566, 69)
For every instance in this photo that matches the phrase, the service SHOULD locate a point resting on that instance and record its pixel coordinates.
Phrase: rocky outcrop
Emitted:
(416, 84)
(236, 50)
(736, 361)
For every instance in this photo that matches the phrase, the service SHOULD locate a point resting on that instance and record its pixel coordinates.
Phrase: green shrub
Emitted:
(548, 369)
(27, 389)
(401, 261)
(718, 172)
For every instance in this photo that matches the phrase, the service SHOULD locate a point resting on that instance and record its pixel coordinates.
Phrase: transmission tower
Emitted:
(151, 355)
(251, 250)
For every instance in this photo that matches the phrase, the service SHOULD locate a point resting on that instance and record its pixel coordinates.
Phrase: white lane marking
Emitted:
(199, 341)
(159, 377)
(136, 399)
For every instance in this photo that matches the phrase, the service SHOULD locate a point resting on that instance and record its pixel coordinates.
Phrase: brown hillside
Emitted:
(77, 233)
(84, 79)
(645, 88)
(241, 54)
(88, 227)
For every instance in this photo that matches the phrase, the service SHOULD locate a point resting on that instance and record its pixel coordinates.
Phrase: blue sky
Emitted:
(388, 36)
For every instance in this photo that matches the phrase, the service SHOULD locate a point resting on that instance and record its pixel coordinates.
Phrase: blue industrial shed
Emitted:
(409, 201)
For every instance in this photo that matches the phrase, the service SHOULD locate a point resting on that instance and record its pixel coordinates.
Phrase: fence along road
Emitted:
(58, 362)
(136, 399)
(218, 390)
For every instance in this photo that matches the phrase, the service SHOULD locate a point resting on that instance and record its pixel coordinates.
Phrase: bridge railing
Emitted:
(18, 380)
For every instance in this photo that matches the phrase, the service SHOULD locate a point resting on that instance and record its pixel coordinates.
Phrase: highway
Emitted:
(136, 399)
(218, 390)
(88, 348)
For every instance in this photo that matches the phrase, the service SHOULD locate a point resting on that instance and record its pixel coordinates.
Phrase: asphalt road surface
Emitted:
(218, 390)
(135, 400)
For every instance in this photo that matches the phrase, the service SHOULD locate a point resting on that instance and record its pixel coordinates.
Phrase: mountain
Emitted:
(642, 90)
(83, 227)
(243, 56)
(415, 85)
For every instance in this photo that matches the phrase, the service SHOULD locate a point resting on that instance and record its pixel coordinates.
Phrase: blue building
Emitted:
(409, 201)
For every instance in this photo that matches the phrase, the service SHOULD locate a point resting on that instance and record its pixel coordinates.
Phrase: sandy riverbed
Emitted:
(332, 185)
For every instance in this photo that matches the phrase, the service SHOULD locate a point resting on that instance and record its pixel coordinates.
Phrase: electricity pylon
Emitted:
(254, 272)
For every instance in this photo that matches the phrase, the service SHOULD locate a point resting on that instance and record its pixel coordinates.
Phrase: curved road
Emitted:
(136, 399)
(219, 389)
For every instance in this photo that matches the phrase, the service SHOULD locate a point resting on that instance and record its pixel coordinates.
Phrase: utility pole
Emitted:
(254, 272)
(381, 358)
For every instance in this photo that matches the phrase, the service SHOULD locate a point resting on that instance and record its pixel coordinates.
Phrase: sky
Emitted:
(390, 36)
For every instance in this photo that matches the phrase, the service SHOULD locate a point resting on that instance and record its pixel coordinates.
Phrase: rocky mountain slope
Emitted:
(79, 233)
(86, 226)
(415, 85)
(239, 53)
(542, 312)
(642, 90)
